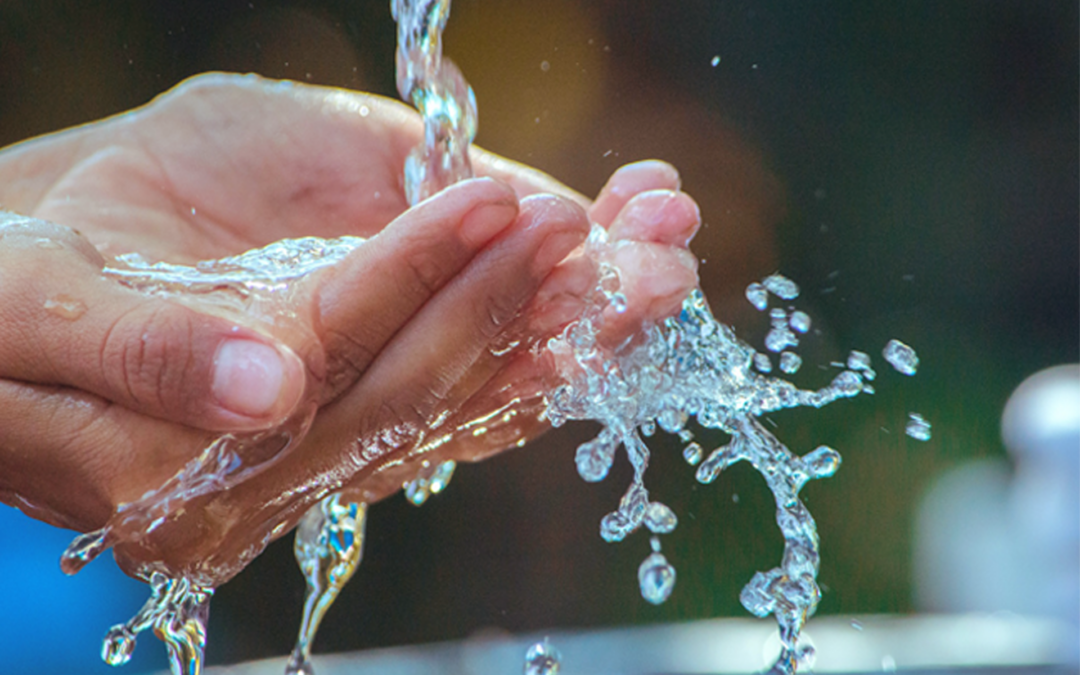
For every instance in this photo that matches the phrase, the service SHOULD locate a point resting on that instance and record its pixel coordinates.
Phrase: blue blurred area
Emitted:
(52, 624)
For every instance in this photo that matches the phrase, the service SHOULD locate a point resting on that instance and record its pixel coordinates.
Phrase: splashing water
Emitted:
(328, 547)
(692, 366)
(177, 611)
(257, 283)
(542, 659)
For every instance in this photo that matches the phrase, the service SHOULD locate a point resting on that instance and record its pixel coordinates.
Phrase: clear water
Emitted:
(431, 479)
(656, 575)
(901, 357)
(177, 611)
(691, 367)
(542, 659)
(433, 84)
(328, 547)
(917, 427)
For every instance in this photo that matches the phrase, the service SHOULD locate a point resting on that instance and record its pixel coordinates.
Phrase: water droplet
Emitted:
(758, 296)
(858, 360)
(65, 307)
(364, 112)
(659, 518)
(656, 577)
(692, 454)
(800, 321)
(542, 659)
(715, 61)
(118, 646)
(790, 362)
(821, 462)
(781, 286)
(545, 66)
(82, 550)
(901, 356)
(594, 458)
(779, 339)
(781, 336)
(917, 427)
(430, 479)
(441, 477)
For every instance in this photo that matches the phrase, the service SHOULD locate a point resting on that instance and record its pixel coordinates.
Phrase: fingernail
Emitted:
(248, 377)
(568, 227)
(647, 174)
(485, 221)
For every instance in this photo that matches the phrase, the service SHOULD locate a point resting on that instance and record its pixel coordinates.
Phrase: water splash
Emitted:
(542, 659)
(328, 547)
(177, 611)
(692, 366)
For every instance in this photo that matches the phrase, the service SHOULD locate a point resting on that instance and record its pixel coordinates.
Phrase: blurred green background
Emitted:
(913, 165)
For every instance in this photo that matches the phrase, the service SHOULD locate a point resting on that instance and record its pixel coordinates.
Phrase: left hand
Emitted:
(224, 164)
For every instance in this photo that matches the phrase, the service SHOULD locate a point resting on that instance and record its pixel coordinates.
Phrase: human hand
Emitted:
(222, 165)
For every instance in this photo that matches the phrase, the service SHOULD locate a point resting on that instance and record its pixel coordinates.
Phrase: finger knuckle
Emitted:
(348, 359)
(427, 268)
(145, 354)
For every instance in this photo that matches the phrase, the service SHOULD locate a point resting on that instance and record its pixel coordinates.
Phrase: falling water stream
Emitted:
(689, 368)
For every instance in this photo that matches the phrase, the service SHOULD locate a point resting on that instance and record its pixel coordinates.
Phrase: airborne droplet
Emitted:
(657, 578)
(542, 659)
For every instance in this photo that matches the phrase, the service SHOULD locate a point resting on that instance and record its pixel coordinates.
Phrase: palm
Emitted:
(219, 171)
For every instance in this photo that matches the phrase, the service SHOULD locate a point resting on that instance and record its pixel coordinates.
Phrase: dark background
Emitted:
(913, 165)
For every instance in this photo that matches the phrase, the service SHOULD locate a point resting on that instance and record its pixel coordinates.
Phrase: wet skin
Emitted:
(391, 352)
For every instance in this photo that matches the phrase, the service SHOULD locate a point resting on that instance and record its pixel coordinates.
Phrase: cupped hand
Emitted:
(106, 393)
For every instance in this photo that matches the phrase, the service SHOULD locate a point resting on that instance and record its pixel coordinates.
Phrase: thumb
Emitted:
(63, 323)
